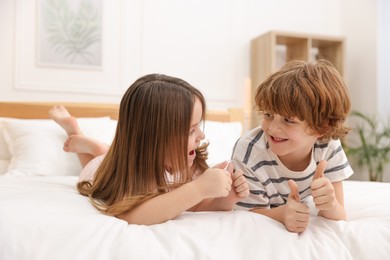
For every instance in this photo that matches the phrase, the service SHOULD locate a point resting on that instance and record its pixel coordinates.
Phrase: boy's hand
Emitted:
(296, 215)
(239, 186)
(322, 190)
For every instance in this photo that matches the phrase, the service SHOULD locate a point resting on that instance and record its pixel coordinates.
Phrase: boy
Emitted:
(296, 152)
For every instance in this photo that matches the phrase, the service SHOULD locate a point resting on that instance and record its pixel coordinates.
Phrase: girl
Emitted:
(155, 169)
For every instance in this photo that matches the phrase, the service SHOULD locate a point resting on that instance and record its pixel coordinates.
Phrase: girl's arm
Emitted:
(212, 183)
(240, 190)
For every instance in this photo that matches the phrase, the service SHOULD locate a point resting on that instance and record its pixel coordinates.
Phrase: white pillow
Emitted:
(4, 152)
(36, 145)
(3, 166)
(222, 137)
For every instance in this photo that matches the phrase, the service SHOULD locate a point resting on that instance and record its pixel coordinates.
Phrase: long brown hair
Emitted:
(153, 129)
(311, 91)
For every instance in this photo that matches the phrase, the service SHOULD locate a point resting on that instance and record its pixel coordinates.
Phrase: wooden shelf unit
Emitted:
(272, 50)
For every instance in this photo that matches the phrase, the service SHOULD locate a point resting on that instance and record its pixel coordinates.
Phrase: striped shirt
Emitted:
(268, 178)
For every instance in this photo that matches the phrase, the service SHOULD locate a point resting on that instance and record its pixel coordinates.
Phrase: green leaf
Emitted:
(371, 146)
(71, 33)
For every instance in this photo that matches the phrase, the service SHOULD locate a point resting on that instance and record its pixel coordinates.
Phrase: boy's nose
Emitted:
(274, 125)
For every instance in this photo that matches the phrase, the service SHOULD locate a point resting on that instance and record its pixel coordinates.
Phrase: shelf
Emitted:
(270, 51)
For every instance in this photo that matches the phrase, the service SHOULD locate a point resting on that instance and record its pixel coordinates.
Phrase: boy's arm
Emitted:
(294, 215)
(327, 196)
(337, 212)
(294, 221)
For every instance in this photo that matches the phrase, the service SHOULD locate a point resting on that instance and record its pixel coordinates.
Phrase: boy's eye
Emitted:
(289, 120)
(266, 114)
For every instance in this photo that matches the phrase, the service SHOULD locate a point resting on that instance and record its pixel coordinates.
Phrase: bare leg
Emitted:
(83, 144)
(85, 148)
(64, 119)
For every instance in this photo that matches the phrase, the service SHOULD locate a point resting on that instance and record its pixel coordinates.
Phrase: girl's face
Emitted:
(196, 134)
(289, 138)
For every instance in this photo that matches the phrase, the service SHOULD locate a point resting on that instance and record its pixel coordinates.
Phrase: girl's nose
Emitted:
(201, 135)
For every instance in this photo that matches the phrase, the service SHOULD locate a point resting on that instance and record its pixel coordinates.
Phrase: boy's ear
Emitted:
(324, 129)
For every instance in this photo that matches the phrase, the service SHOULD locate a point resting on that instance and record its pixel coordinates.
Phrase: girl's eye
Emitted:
(195, 128)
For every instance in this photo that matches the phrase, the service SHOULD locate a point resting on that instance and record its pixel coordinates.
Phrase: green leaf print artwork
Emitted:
(72, 32)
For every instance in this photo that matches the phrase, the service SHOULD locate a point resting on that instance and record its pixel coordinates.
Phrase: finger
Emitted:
(240, 181)
(228, 165)
(302, 218)
(319, 173)
(242, 193)
(229, 176)
(229, 187)
(294, 193)
(221, 165)
(302, 209)
(238, 174)
(230, 168)
(318, 201)
(241, 187)
(229, 179)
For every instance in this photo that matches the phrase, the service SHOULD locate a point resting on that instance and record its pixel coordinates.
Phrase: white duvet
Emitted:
(45, 218)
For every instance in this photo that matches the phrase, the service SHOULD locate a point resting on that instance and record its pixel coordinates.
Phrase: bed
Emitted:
(42, 216)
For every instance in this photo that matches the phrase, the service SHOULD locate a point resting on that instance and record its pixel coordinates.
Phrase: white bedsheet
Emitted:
(45, 218)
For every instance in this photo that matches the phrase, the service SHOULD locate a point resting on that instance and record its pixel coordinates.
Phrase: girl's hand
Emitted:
(240, 188)
(223, 165)
(296, 214)
(214, 183)
(322, 189)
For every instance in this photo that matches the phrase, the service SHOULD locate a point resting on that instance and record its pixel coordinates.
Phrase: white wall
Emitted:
(204, 42)
(359, 25)
(383, 58)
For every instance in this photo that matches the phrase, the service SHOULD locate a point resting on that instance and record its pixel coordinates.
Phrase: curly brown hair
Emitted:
(311, 91)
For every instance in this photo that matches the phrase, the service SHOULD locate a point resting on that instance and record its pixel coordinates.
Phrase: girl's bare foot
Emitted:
(82, 144)
(63, 118)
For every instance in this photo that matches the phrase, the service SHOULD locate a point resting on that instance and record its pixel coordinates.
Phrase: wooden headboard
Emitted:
(39, 110)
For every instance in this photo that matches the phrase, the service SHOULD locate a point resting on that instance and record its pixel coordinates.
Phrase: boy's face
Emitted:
(289, 138)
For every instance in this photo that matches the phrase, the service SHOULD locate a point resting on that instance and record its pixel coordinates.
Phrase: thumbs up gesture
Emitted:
(296, 214)
(322, 190)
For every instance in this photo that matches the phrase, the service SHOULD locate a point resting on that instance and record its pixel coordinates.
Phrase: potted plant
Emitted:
(369, 145)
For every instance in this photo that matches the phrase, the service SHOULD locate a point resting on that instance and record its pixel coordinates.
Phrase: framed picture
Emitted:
(77, 46)
(69, 33)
